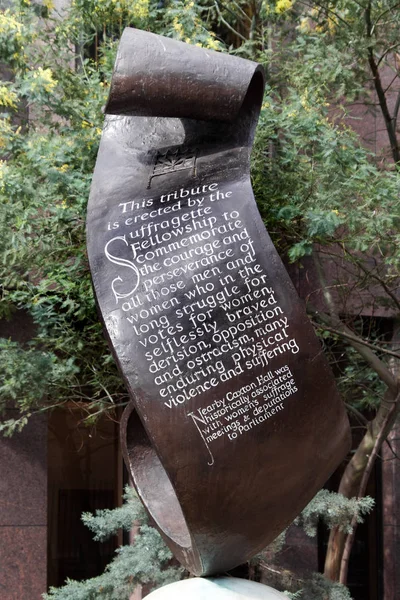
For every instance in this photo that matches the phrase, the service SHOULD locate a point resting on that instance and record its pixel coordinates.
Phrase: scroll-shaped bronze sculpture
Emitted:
(235, 421)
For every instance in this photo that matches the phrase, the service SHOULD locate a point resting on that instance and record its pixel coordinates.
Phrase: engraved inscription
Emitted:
(203, 310)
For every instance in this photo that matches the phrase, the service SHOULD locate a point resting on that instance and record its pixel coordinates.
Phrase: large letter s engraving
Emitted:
(123, 262)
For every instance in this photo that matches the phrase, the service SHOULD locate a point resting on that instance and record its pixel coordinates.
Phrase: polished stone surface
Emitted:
(23, 494)
(23, 552)
(23, 481)
(216, 588)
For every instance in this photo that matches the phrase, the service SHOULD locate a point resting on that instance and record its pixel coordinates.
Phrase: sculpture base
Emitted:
(216, 588)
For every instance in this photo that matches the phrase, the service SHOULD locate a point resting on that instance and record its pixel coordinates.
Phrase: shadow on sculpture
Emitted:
(235, 422)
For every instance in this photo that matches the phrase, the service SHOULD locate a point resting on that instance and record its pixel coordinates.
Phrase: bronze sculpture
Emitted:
(235, 421)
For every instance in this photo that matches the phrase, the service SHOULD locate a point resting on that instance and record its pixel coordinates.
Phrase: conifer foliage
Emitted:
(148, 561)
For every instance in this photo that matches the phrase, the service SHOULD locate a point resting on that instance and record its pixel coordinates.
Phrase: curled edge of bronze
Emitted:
(155, 76)
(156, 491)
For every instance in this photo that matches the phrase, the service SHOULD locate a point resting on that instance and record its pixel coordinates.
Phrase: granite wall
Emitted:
(23, 512)
(23, 496)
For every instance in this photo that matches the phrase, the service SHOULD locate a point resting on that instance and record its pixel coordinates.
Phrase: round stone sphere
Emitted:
(216, 588)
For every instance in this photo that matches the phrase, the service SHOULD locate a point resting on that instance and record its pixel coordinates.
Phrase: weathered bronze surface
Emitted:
(235, 421)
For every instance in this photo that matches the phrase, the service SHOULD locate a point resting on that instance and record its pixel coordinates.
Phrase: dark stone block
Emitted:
(300, 553)
(23, 482)
(22, 562)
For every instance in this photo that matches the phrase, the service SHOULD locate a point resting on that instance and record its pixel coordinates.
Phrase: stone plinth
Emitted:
(216, 588)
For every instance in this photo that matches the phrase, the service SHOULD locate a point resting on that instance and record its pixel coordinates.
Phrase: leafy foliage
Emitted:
(320, 179)
(43, 193)
(44, 186)
(28, 375)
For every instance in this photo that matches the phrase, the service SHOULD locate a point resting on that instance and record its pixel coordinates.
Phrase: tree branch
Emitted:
(389, 123)
(387, 51)
(357, 343)
(396, 111)
(353, 477)
(234, 15)
(385, 91)
(227, 24)
(382, 434)
(395, 455)
(333, 320)
(373, 275)
(357, 340)
(240, 9)
(327, 9)
(385, 12)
